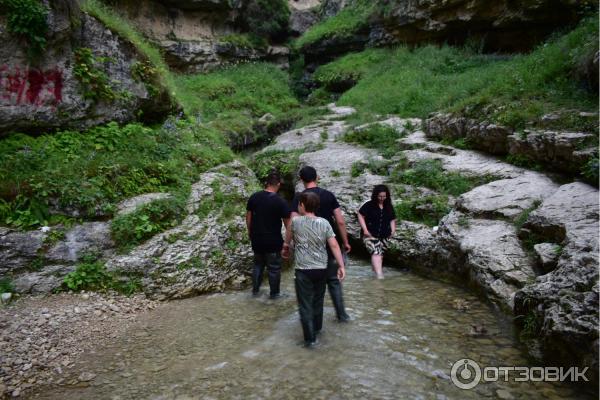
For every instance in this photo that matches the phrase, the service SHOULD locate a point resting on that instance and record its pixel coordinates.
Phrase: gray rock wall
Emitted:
(45, 94)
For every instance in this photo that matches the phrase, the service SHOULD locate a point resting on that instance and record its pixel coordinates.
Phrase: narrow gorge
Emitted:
(133, 133)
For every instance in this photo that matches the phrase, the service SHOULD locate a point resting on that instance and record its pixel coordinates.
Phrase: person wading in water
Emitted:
(329, 209)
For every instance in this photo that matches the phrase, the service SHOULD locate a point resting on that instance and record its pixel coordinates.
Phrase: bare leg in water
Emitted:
(377, 265)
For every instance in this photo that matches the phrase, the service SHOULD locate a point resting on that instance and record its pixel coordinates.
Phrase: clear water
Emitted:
(405, 336)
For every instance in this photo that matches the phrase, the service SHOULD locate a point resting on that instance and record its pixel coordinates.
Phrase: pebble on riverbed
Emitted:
(43, 336)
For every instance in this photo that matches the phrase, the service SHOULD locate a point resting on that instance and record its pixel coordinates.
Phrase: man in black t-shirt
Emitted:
(329, 209)
(264, 212)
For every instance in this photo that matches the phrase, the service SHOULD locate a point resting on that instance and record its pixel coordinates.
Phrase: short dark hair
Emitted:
(273, 179)
(310, 201)
(308, 174)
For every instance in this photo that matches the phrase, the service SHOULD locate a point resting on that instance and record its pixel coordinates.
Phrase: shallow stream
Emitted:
(406, 334)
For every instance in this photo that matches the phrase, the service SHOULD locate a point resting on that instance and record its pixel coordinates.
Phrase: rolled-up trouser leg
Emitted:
(335, 290)
(274, 269)
(305, 294)
(260, 261)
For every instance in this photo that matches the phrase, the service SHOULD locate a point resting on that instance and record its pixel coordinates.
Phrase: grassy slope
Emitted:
(510, 90)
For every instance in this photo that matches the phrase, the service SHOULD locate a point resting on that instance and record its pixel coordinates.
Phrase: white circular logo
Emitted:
(465, 373)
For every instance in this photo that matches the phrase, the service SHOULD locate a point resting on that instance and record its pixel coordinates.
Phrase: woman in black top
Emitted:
(378, 222)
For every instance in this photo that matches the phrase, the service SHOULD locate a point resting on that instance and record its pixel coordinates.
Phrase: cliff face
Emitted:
(498, 26)
(45, 94)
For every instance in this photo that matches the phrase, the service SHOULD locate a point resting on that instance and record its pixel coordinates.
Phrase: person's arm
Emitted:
(249, 221)
(341, 224)
(393, 226)
(363, 225)
(285, 251)
(337, 253)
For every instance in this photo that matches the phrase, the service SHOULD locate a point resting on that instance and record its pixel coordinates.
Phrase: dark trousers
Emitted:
(335, 288)
(272, 261)
(310, 292)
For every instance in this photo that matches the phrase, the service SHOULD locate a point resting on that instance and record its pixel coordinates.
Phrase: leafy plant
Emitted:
(131, 229)
(377, 136)
(590, 171)
(6, 286)
(267, 18)
(427, 209)
(95, 82)
(88, 276)
(147, 73)
(430, 174)
(27, 19)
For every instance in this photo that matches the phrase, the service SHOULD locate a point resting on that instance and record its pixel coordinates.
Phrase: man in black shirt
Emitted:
(264, 212)
(330, 210)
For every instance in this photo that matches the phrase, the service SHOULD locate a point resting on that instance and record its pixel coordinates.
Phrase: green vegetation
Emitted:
(225, 204)
(430, 174)
(346, 23)
(95, 82)
(510, 90)
(250, 90)
(267, 18)
(285, 162)
(27, 19)
(146, 72)
(427, 210)
(590, 171)
(92, 171)
(244, 41)
(376, 136)
(92, 275)
(134, 228)
(522, 218)
(6, 286)
(123, 28)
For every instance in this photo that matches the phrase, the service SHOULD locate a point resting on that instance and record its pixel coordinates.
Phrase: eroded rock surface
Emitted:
(37, 99)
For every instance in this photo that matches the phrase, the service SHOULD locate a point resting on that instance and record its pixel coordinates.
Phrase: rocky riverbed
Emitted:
(41, 337)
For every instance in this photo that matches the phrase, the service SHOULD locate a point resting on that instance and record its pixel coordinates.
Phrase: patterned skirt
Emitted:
(375, 246)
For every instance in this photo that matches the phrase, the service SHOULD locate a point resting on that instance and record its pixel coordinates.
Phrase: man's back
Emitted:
(267, 210)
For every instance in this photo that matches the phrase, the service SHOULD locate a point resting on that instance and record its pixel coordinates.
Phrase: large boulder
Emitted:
(45, 95)
(209, 251)
(562, 305)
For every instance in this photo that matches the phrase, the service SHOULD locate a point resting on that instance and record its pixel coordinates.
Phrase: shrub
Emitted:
(92, 275)
(430, 174)
(131, 229)
(92, 171)
(267, 18)
(377, 136)
(6, 286)
(427, 210)
(95, 82)
(285, 162)
(27, 19)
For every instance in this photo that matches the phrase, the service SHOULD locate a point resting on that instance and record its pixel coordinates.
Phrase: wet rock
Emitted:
(86, 376)
(89, 237)
(304, 14)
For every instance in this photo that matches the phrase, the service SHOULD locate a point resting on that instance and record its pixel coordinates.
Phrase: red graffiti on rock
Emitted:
(30, 86)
